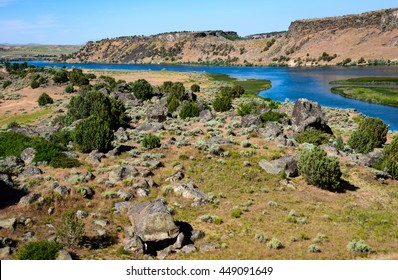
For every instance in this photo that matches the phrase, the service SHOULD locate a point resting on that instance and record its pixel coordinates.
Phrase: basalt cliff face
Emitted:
(372, 35)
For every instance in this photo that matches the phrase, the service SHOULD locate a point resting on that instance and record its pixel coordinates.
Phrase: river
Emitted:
(291, 83)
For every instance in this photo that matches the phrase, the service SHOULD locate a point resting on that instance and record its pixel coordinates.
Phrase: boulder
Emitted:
(307, 114)
(12, 165)
(122, 172)
(62, 190)
(270, 131)
(121, 135)
(63, 255)
(218, 141)
(29, 199)
(286, 163)
(187, 249)
(251, 120)
(152, 221)
(209, 247)
(134, 245)
(206, 115)
(31, 171)
(8, 223)
(196, 235)
(152, 127)
(371, 158)
(28, 155)
(5, 252)
(156, 113)
(6, 180)
(190, 191)
(95, 157)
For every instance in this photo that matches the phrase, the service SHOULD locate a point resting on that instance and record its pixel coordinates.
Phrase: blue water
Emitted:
(291, 83)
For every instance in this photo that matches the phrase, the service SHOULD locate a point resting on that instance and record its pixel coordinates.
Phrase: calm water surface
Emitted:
(291, 83)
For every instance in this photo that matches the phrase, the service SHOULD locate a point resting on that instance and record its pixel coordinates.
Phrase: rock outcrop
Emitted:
(308, 115)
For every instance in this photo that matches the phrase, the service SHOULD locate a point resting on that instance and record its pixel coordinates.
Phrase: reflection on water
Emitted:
(291, 83)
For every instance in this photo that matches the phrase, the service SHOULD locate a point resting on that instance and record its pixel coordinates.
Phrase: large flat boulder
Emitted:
(152, 221)
(286, 163)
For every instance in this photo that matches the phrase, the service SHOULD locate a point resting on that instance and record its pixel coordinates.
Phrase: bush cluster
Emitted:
(78, 78)
(319, 170)
(189, 110)
(12, 144)
(244, 109)
(312, 136)
(195, 88)
(71, 231)
(371, 133)
(389, 159)
(94, 133)
(150, 141)
(272, 116)
(234, 92)
(45, 99)
(142, 89)
(173, 104)
(38, 250)
(222, 103)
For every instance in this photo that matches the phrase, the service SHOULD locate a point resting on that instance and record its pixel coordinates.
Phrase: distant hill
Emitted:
(34, 51)
(336, 40)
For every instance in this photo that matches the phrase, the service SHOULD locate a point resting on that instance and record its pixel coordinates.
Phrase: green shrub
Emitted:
(178, 90)
(13, 124)
(234, 92)
(95, 103)
(319, 170)
(6, 83)
(150, 141)
(244, 109)
(222, 103)
(371, 133)
(195, 88)
(110, 82)
(45, 99)
(71, 229)
(236, 213)
(77, 77)
(69, 88)
(312, 136)
(94, 133)
(339, 143)
(389, 159)
(358, 247)
(142, 89)
(34, 84)
(12, 144)
(272, 116)
(274, 243)
(61, 76)
(173, 104)
(189, 110)
(166, 86)
(38, 250)
(211, 219)
(314, 249)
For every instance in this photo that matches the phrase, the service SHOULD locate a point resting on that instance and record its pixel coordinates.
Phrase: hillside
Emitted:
(372, 35)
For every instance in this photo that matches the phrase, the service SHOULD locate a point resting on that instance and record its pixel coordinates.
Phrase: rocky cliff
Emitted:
(337, 40)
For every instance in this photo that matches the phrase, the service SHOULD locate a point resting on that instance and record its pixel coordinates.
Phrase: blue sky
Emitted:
(79, 21)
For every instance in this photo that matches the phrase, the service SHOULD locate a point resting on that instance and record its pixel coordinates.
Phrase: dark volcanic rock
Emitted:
(308, 114)
(250, 120)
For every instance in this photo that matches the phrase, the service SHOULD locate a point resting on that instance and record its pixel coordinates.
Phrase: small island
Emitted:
(379, 90)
